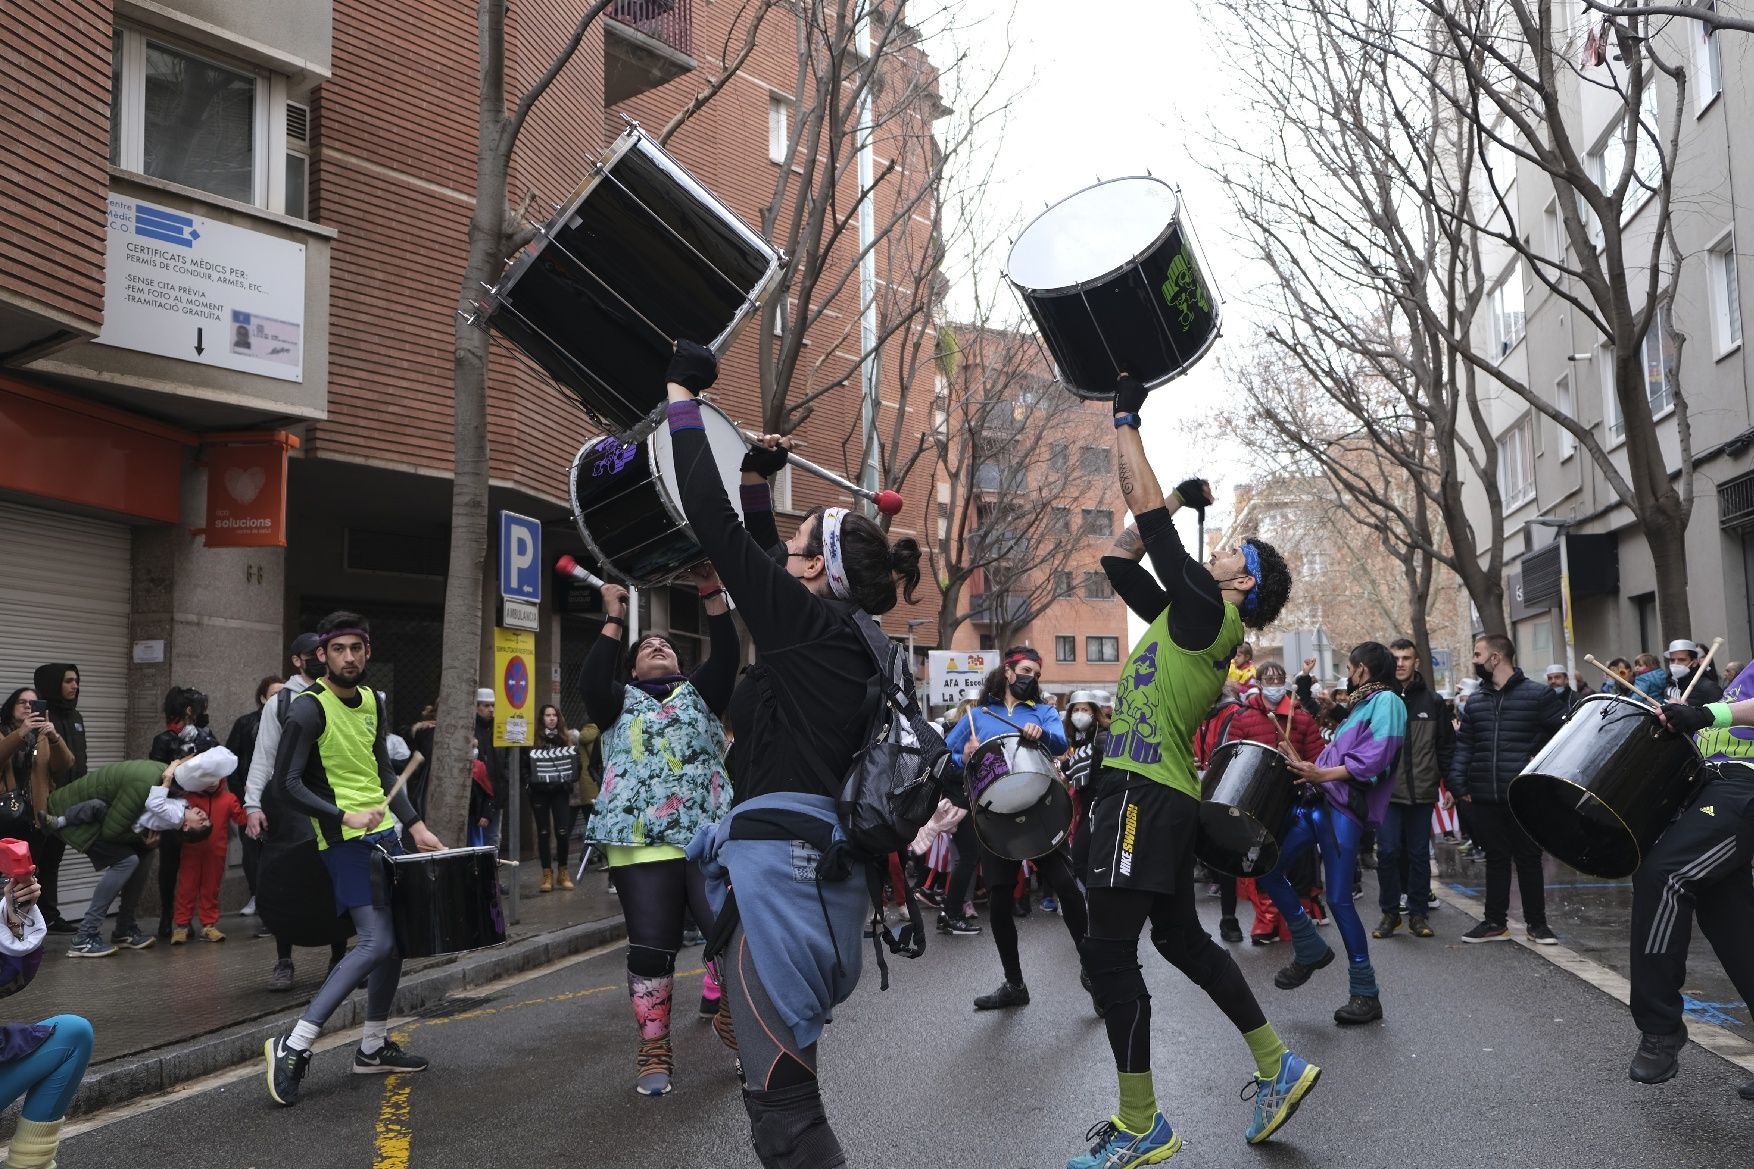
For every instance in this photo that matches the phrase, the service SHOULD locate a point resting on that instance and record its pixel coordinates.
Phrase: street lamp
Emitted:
(1560, 527)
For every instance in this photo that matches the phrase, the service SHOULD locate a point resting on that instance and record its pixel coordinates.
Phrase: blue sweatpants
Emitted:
(48, 1076)
(1339, 836)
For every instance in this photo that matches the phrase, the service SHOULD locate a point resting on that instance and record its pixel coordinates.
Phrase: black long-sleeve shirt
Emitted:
(1196, 603)
(604, 680)
(302, 782)
(794, 712)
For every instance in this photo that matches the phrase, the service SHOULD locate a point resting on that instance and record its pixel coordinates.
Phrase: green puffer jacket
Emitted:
(123, 786)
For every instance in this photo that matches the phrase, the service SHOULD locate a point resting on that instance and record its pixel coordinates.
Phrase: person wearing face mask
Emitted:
(663, 778)
(186, 732)
(1498, 730)
(1403, 870)
(1559, 681)
(1010, 705)
(1352, 782)
(1086, 739)
(1683, 664)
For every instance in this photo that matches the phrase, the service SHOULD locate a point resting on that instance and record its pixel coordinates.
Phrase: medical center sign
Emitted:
(199, 290)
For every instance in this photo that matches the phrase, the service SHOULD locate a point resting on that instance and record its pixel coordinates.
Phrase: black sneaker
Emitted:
(1230, 930)
(1419, 927)
(1387, 926)
(1541, 935)
(1746, 1091)
(709, 1006)
(1487, 931)
(1360, 1008)
(958, 927)
(1263, 939)
(1295, 973)
(1656, 1059)
(62, 926)
(1009, 994)
(385, 1060)
(929, 897)
(286, 1068)
(281, 978)
(133, 941)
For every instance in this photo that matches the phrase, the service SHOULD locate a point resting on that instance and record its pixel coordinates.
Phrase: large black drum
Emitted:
(642, 255)
(1020, 807)
(445, 902)
(1115, 282)
(1245, 798)
(1605, 786)
(628, 504)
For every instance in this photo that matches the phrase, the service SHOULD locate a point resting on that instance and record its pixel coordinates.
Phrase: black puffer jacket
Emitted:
(1500, 731)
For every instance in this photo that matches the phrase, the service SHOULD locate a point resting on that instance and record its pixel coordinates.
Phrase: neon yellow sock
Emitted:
(1138, 1111)
(1266, 1046)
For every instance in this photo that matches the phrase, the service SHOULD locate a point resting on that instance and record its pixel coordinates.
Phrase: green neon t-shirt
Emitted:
(1164, 692)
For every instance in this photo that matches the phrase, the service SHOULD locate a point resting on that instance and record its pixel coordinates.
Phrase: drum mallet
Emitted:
(887, 502)
(1623, 683)
(1699, 670)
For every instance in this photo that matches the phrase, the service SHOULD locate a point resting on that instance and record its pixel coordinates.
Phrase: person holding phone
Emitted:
(30, 745)
(42, 1062)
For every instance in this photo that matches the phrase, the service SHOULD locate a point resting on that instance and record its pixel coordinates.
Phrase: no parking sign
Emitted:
(514, 671)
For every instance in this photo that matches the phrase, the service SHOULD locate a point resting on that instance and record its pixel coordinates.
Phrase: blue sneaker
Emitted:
(1277, 1099)
(1113, 1147)
(1049, 905)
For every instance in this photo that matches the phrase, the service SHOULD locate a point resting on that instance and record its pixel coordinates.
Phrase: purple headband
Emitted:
(326, 638)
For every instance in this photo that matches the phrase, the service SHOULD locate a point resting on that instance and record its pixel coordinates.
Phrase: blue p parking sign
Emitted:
(520, 557)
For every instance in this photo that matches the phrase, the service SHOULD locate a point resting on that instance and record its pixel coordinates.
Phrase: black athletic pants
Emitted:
(551, 806)
(968, 850)
(1700, 866)
(1001, 878)
(170, 860)
(1504, 842)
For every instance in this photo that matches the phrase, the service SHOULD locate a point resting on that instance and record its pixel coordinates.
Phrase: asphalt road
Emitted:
(1489, 1056)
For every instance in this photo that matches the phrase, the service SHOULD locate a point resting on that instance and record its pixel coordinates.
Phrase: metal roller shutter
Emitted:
(64, 597)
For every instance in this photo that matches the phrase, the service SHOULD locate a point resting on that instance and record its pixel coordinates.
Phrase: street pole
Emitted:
(1565, 611)
(513, 812)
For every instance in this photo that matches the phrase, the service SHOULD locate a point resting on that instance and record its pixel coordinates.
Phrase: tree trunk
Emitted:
(1668, 552)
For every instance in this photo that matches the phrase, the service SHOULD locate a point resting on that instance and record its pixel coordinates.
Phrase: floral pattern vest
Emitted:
(663, 771)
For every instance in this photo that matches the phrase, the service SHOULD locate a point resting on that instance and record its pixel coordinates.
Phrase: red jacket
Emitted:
(223, 808)
(1254, 723)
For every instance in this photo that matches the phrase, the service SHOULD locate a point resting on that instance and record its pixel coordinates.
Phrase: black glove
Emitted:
(1129, 394)
(693, 367)
(764, 461)
(1687, 719)
(1193, 493)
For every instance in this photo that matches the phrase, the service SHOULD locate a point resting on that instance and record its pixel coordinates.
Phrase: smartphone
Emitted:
(39, 706)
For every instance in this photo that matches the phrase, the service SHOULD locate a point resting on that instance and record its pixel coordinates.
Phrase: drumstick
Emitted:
(1285, 735)
(1623, 683)
(1699, 670)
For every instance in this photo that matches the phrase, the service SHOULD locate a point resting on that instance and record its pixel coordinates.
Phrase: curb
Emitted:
(159, 1070)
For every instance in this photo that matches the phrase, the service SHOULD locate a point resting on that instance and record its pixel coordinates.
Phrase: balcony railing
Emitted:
(668, 21)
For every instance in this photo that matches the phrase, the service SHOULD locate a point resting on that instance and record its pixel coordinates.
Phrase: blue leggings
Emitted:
(1339, 836)
(48, 1076)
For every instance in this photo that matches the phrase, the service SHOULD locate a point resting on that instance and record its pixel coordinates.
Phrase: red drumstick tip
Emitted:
(566, 565)
(888, 502)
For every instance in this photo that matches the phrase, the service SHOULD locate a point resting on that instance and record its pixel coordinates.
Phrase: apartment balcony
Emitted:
(645, 44)
(1001, 479)
(999, 609)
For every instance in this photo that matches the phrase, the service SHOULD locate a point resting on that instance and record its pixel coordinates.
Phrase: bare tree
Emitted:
(1714, 14)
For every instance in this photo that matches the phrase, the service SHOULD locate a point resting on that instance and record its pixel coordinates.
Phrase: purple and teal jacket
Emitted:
(1366, 745)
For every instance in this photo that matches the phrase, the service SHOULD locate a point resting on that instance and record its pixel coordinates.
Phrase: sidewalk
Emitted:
(167, 1015)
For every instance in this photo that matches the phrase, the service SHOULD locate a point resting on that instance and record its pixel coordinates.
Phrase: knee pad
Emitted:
(650, 962)
(790, 1130)
(1113, 966)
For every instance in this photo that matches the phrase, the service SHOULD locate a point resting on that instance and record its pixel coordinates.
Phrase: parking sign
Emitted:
(520, 557)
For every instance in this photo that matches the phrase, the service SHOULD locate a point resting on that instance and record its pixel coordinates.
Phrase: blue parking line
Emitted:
(1713, 1012)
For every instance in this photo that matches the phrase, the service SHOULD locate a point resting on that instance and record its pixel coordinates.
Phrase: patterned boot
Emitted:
(651, 1010)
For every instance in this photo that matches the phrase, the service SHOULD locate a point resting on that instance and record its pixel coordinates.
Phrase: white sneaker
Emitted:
(249, 909)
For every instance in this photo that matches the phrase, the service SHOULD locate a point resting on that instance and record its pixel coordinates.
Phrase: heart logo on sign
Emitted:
(243, 485)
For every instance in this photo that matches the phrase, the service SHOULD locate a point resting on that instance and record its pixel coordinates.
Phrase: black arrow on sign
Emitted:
(198, 349)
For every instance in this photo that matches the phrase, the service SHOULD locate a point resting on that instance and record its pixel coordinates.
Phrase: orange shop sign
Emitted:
(246, 489)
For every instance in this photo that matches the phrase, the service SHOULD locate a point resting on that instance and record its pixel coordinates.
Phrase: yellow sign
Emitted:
(514, 686)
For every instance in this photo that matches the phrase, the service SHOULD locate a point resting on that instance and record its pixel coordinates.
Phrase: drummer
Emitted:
(1700, 865)
(1146, 810)
(334, 766)
(1353, 774)
(1010, 705)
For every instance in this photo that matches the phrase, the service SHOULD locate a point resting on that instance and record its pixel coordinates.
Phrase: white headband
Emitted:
(832, 559)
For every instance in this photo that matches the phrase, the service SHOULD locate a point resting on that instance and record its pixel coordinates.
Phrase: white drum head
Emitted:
(727, 446)
(1092, 234)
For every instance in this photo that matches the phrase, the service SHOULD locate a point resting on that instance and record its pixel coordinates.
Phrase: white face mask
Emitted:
(1081, 719)
(1679, 669)
(1273, 694)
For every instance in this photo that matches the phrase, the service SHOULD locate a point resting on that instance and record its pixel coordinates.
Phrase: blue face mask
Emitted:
(1273, 694)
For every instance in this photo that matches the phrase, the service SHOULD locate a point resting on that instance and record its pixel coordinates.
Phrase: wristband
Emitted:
(1720, 715)
(712, 592)
(1126, 420)
(608, 617)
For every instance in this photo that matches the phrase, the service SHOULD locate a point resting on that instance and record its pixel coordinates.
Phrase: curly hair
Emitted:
(1272, 586)
(874, 566)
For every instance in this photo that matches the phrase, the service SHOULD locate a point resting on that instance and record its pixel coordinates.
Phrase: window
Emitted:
(1607, 160)
(1726, 294)
(1060, 521)
(778, 136)
(1099, 521)
(1506, 311)
(1063, 584)
(1102, 649)
(1562, 397)
(987, 640)
(1556, 243)
(1659, 364)
(298, 159)
(1065, 649)
(1057, 457)
(1708, 62)
(1516, 464)
(1097, 588)
(1094, 460)
(1499, 158)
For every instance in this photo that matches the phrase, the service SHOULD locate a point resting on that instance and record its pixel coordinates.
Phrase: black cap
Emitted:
(304, 645)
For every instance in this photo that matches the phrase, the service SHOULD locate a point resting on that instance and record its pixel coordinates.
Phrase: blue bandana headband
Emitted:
(1251, 557)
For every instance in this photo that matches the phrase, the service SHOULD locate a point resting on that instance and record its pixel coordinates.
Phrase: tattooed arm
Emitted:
(1128, 545)
(1138, 482)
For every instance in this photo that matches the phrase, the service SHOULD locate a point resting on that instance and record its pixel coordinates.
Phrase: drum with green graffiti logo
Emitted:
(1115, 282)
